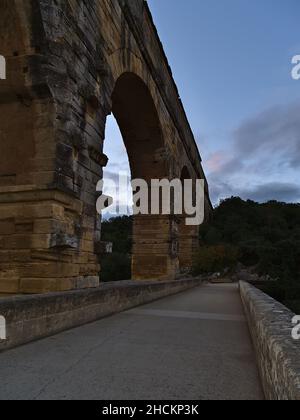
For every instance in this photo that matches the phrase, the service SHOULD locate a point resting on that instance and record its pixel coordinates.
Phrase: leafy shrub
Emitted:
(276, 290)
(212, 259)
(116, 267)
(118, 230)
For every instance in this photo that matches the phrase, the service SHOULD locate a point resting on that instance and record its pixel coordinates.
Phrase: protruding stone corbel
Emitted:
(63, 241)
(98, 157)
(88, 93)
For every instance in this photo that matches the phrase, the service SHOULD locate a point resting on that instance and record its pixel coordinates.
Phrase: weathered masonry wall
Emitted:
(278, 355)
(70, 63)
(29, 318)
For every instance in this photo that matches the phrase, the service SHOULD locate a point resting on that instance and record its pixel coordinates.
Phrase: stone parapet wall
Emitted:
(29, 318)
(278, 355)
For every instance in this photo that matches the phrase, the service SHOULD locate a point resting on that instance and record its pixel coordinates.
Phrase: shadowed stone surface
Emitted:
(277, 353)
(69, 65)
(144, 354)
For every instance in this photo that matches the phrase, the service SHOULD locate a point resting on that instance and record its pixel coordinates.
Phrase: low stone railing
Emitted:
(29, 318)
(278, 354)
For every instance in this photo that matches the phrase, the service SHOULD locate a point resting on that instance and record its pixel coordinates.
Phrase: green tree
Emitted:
(267, 237)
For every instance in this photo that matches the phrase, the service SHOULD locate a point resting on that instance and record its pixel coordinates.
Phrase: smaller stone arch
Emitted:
(136, 114)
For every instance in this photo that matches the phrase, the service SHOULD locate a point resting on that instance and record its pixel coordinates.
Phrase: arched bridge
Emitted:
(69, 65)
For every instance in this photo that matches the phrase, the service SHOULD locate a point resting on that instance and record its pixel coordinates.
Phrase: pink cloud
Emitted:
(216, 161)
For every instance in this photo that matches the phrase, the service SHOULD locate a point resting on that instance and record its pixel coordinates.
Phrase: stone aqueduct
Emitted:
(70, 63)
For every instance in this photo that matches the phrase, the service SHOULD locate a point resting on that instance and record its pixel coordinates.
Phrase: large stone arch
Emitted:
(64, 61)
(136, 113)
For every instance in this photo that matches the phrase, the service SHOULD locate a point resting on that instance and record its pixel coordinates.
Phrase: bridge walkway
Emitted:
(195, 345)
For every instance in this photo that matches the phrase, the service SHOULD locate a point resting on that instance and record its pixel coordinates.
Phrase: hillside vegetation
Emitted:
(263, 237)
(117, 266)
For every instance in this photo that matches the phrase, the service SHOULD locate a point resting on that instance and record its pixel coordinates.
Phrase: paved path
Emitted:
(194, 345)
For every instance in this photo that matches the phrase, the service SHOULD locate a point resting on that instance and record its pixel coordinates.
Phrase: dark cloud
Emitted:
(275, 131)
(286, 192)
(220, 190)
(265, 148)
